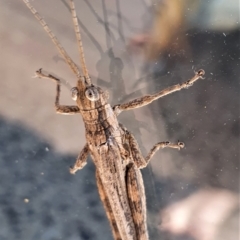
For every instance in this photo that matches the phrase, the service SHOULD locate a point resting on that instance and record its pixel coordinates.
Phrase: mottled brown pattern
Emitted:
(114, 150)
(137, 200)
(107, 207)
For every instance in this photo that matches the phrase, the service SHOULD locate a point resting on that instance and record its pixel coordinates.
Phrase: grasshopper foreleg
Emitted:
(145, 100)
(59, 108)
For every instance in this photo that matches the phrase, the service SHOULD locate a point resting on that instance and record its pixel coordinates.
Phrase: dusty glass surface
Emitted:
(132, 48)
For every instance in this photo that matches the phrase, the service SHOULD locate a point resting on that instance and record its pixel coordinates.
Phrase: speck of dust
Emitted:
(26, 200)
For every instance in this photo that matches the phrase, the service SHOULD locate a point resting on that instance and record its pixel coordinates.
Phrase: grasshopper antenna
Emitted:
(79, 42)
(60, 48)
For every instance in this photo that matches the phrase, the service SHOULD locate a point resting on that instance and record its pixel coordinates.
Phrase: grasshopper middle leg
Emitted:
(81, 160)
(134, 182)
(139, 160)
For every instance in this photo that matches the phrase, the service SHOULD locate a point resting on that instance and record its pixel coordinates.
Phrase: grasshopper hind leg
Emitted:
(134, 181)
(108, 208)
(137, 201)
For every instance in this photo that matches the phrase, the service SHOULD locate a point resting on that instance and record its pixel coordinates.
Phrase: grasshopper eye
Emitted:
(92, 94)
(74, 93)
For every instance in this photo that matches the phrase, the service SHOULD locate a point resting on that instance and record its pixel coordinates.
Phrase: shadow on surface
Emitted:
(61, 205)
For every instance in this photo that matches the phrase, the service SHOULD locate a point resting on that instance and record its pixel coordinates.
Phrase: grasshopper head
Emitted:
(88, 96)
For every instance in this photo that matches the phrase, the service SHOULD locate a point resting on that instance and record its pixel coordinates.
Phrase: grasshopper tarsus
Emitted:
(40, 74)
(181, 144)
(200, 73)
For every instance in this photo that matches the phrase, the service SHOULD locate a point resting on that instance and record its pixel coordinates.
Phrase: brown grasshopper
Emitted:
(113, 148)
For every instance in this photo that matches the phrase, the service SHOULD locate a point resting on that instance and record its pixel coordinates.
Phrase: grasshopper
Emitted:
(114, 150)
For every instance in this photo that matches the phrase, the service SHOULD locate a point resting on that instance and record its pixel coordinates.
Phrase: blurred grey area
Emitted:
(132, 48)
